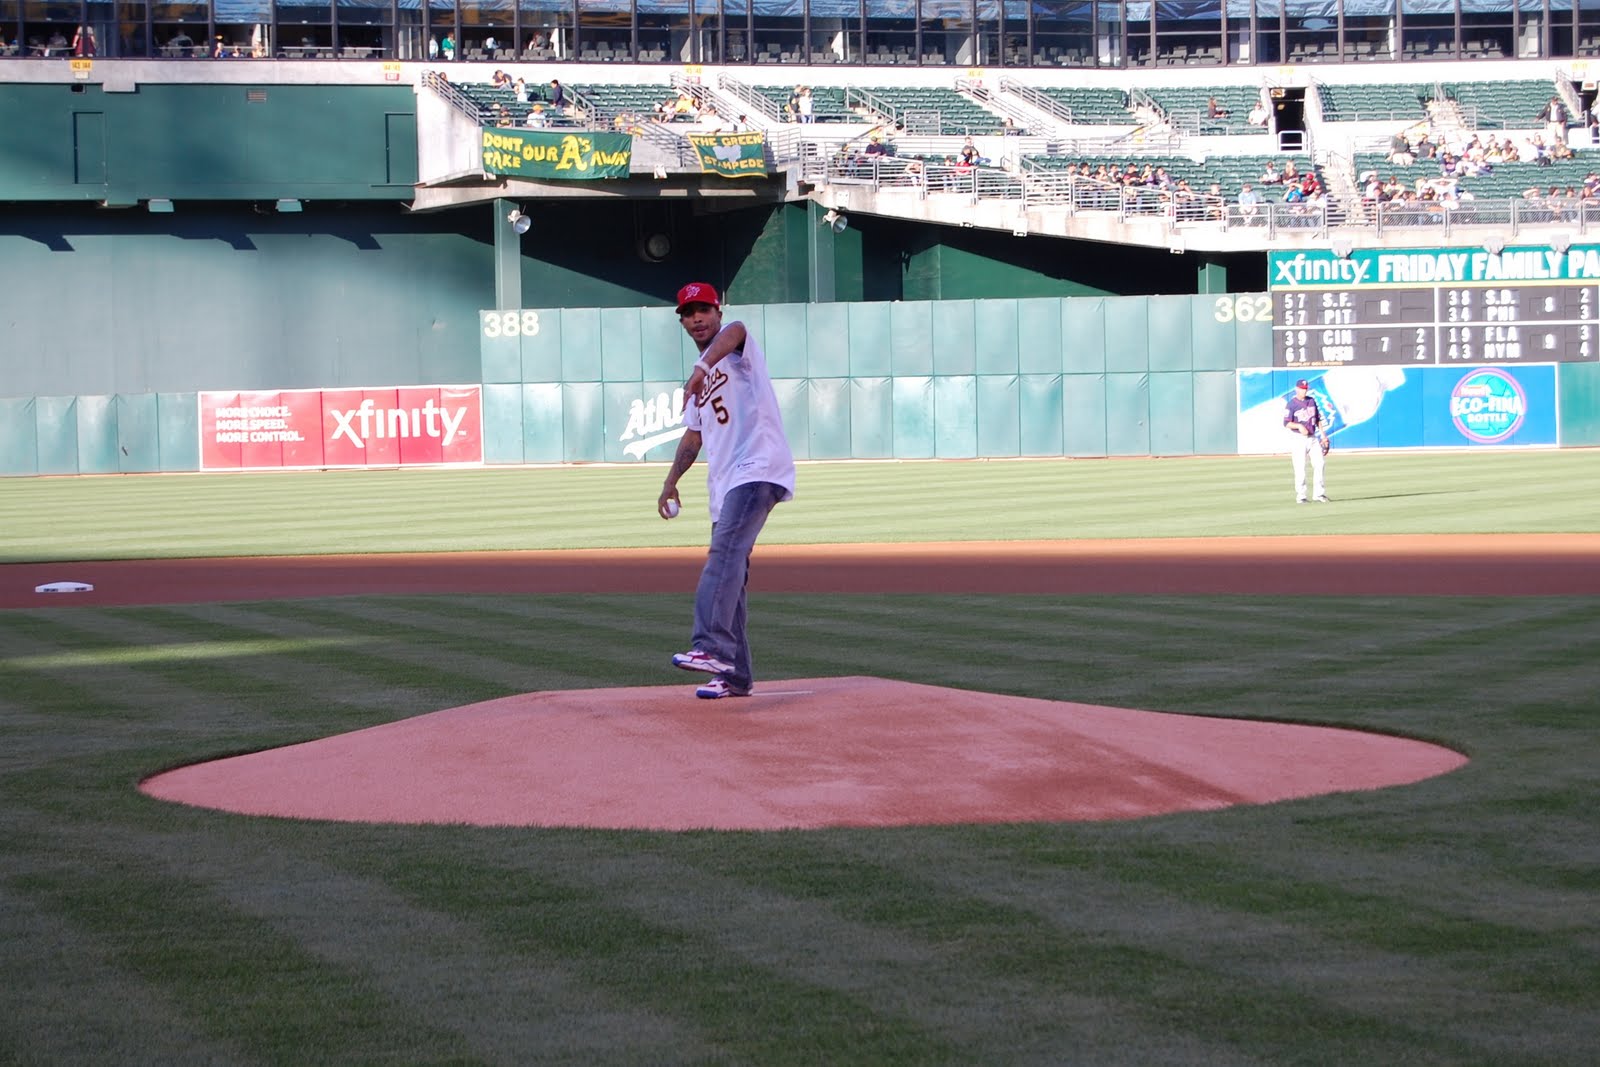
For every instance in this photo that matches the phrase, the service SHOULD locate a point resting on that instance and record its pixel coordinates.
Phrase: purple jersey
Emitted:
(1303, 411)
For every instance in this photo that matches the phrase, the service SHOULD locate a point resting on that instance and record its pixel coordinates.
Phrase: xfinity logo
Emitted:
(1305, 270)
(368, 421)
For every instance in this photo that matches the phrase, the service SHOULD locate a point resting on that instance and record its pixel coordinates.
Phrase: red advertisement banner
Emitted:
(428, 425)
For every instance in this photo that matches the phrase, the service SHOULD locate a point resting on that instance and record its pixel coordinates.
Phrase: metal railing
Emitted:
(754, 103)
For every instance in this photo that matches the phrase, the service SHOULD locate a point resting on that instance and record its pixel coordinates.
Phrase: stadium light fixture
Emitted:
(1560, 242)
(519, 222)
(1342, 247)
(289, 205)
(836, 221)
(158, 206)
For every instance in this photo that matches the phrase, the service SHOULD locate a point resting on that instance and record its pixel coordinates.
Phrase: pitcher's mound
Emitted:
(804, 753)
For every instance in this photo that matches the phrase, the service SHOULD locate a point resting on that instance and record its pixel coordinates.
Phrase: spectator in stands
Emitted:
(1291, 173)
(490, 45)
(519, 89)
(1594, 122)
(83, 41)
(791, 107)
(1424, 148)
(537, 119)
(1009, 128)
(1215, 110)
(1249, 204)
(447, 48)
(500, 80)
(219, 48)
(1400, 150)
(875, 145)
(433, 48)
(1554, 116)
(558, 95)
(806, 104)
(1561, 150)
(1270, 175)
(57, 45)
(1258, 114)
(969, 153)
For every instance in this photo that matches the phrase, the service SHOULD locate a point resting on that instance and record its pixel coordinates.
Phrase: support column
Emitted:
(507, 258)
(820, 250)
(1210, 276)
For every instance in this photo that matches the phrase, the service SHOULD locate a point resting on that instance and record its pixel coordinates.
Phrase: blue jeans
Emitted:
(719, 602)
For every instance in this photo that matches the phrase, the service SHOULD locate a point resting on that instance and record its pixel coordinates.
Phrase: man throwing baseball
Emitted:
(1308, 439)
(732, 412)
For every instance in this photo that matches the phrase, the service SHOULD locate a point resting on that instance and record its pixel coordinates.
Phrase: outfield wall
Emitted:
(952, 379)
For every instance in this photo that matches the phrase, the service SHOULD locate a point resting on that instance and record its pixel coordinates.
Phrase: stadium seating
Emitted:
(1230, 172)
(936, 110)
(1353, 103)
(1093, 106)
(1188, 107)
(1505, 182)
(827, 101)
(1501, 105)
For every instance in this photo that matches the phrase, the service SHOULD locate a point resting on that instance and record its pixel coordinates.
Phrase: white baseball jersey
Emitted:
(740, 426)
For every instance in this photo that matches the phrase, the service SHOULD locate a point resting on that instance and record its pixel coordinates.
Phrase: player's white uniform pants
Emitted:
(1302, 447)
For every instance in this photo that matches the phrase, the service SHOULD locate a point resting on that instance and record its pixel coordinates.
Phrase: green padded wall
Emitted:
(1579, 412)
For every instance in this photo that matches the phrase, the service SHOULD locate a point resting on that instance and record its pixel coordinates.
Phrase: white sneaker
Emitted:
(696, 660)
(718, 688)
(1322, 499)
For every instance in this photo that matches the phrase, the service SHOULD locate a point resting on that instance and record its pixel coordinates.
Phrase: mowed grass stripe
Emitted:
(1149, 991)
(599, 507)
(742, 1010)
(896, 971)
(52, 968)
(238, 979)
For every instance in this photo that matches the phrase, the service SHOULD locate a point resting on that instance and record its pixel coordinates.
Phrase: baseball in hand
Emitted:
(672, 509)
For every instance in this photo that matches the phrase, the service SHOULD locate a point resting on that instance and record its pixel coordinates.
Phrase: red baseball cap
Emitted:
(698, 293)
(1302, 384)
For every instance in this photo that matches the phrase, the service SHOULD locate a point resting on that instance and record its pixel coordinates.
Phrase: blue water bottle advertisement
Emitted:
(1406, 407)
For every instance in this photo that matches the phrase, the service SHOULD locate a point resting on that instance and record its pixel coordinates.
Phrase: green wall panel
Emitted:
(1039, 337)
(794, 399)
(825, 331)
(543, 423)
(997, 336)
(828, 431)
(1039, 415)
(503, 422)
(19, 435)
(1083, 336)
(1215, 333)
(581, 341)
(1083, 414)
(97, 435)
(583, 422)
(1127, 334)
(955, 417)
(56, 427)
(1579, 403)
(180, 431)
(1171, 413)
(784, 338)
(1253, 341)
(138, 433)
(541, 352)
(999, 413)
(1216, 406)
(913, 418)
(620, 345)
(955, 338)
(871, 418)
(871, 340)
(500, 354)
(665, 345)
(1171, 341)
(911, 339)
(1128, 414)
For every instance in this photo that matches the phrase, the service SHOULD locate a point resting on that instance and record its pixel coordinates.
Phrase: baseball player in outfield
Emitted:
(731, 410)
(1308, 440)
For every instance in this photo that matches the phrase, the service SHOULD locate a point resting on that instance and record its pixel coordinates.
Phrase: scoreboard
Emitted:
(1408, 307)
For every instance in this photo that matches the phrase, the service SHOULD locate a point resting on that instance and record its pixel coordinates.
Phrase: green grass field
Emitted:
(1452, 922)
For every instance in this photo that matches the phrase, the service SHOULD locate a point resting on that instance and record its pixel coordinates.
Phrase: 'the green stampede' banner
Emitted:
(732, 155)
(550, 154)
